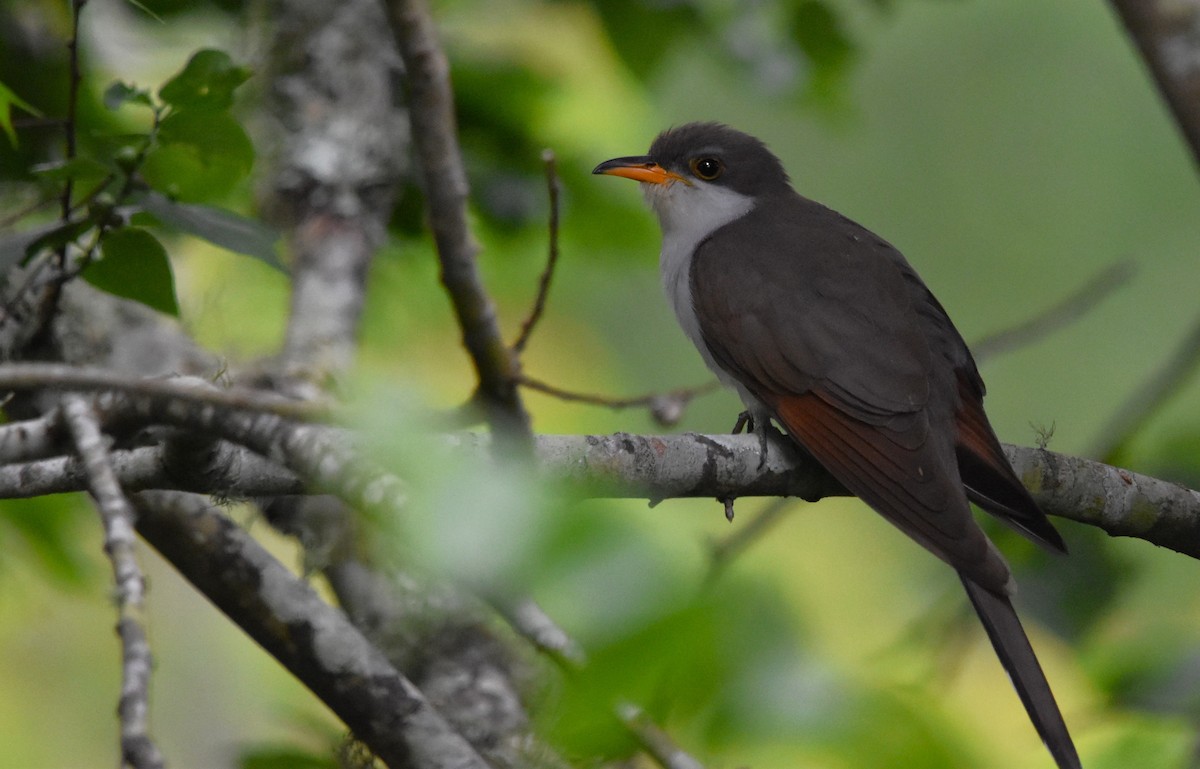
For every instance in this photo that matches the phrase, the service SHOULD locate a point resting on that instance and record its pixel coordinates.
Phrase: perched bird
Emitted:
(825, 328)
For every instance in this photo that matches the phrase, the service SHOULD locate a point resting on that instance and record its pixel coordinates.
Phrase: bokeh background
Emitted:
(1012, 149)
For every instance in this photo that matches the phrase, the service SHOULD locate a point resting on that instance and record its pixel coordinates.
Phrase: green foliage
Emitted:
(8, 100)
(134, 265)
(206, 83)
(285, 757)
(119, 94)
(198, 155)
(48, 526)
(642, 33)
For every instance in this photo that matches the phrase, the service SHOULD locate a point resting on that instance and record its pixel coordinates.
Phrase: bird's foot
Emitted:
(759, 423)
(728, 503)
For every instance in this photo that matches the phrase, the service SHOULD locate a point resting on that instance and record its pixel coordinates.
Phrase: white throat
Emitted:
(688, 215)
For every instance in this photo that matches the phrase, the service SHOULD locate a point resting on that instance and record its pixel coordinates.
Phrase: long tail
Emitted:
(1015, 653)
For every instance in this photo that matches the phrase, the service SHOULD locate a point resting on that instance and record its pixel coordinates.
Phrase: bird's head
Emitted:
(701, 172)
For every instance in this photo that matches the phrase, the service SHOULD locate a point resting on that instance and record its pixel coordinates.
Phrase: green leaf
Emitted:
(134, 265)
(199, 155)
(119, 94)
(8, 100)
(219, 227)
(207, 82)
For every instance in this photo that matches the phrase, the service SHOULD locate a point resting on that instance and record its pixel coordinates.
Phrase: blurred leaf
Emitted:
(8, 100)
(206, 83)
(134, 265)
(48, 526)
(1142, 742)
(643, 31)
(284, 757)
(816, 29)
(218, 226)
(79, 169)
(199, 155)
(669, 665)
(119, 93)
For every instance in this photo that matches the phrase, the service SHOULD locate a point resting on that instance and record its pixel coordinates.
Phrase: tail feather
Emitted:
(1016, 654)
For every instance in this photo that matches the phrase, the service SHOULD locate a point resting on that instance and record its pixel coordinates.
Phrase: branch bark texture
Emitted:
(314, 641)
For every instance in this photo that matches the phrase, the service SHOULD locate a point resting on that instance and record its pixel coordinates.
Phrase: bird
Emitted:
(823, 328)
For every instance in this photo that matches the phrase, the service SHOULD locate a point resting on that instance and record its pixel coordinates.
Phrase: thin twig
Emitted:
(35, 376)
(553, 186)
(435, 136)
(534, 625)
(118, 519)
(75, 77)
(1072, 307)
(8, 220)
(666, 407)
(1152, 395)
(656, 742)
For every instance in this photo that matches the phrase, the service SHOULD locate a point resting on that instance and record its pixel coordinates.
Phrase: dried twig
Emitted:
(539, 305)
(117, 516)
(1069, 309)
(666, 407)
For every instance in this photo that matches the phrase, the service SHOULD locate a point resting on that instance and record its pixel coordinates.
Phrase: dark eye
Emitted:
(707, 168)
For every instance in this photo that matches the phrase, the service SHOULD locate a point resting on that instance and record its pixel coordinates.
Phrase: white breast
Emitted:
(688, 215)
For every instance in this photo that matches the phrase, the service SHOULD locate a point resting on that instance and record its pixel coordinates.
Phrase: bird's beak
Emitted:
(639, 168)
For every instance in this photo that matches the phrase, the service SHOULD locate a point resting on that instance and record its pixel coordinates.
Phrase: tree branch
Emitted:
(435, 135)
(340, 153)
(314, 641)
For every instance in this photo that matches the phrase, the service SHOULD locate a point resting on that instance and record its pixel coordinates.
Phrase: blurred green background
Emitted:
(1010, 148)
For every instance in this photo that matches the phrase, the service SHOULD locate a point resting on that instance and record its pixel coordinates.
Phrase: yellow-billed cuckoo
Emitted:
(824, 327)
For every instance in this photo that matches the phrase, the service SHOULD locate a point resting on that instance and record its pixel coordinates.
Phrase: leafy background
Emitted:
(1010, 148)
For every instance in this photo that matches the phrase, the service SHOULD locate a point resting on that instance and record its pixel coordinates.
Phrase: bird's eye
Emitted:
(707, 168)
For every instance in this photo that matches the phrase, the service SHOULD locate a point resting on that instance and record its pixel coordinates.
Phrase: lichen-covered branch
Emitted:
(658, 467)
(338, 145)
